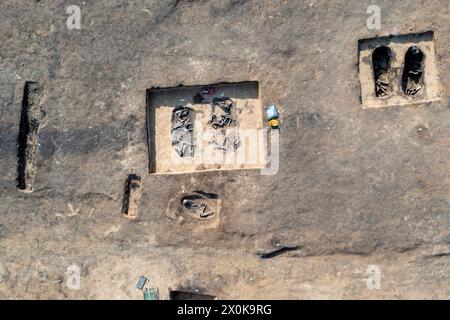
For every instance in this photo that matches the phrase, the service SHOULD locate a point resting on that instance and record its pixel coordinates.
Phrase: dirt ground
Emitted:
(355, 188)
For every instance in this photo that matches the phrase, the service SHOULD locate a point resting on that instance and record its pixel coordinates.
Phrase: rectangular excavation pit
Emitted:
(389, 77)
(30, 120)
(184, 137)
(131, 196)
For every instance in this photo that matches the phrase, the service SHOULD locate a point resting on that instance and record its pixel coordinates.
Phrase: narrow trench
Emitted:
(31, 116)
(132, 194)
(381, 60)
(189, 295)
(412, 80)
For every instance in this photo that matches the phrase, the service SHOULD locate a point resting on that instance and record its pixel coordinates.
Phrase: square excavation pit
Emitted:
(399, 70)
(205, 127)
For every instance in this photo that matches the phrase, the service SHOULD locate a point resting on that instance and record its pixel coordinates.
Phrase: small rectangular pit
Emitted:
(399, 70)
(132, 194)
(31, 117)
(205, 127)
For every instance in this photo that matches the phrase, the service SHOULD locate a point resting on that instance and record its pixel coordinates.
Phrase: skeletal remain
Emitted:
(225, 113)
(182, 146)
(229, 143)
(381, 60)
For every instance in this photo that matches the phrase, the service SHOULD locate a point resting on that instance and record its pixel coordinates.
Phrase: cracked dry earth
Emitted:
(356, 187)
